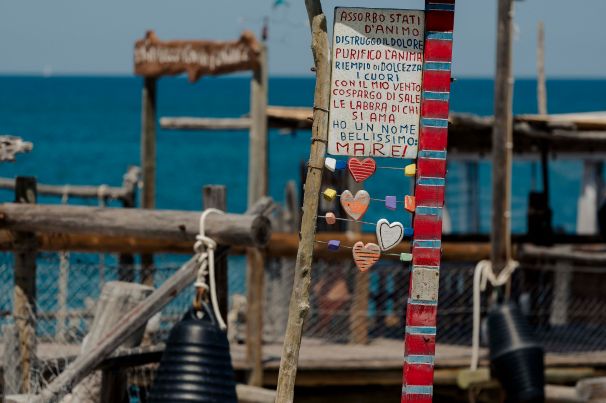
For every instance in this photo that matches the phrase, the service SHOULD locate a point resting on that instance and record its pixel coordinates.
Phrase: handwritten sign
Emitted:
(377, 69)
(154, 58)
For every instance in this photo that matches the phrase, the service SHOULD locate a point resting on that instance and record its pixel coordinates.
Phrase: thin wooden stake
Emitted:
(24, 299)
(299, 302)
(148, 164)
(502, 140)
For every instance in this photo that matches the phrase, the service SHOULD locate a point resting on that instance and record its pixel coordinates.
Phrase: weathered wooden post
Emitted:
(148, 163)
(257, 188)
(24, 299)
(299, 302)
(502, 141)
(215, 196)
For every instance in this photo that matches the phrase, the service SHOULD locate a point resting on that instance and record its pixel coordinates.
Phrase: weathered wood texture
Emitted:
(12, 372)
(169, 225)
(502, 143)
(116, 299)
(215, 196)
(124, 193)
(128, 324)
(592, 390)
(299, 303)
(24, 297)
(194, 123)
(253, 394)
(148, 163)
(258, 182)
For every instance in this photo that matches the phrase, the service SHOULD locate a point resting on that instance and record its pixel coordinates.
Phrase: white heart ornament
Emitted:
(330, 164)
(389, 235)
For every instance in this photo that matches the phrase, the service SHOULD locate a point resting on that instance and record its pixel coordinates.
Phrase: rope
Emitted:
(483, 273)
(205, 248)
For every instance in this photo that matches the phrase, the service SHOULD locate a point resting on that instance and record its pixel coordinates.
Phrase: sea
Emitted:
(86, 130)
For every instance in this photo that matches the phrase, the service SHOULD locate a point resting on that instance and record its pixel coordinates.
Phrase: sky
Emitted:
(97, 37)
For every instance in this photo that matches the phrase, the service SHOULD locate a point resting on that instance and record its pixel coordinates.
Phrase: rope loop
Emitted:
(205, 249)
(483, 274)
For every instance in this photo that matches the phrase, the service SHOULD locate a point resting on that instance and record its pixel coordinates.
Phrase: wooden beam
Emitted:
(168, 225)
(502, 142)
(148, 163)
(193, 123)
(299, 302)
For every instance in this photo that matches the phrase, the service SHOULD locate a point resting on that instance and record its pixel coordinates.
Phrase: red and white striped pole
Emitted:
(420, 332)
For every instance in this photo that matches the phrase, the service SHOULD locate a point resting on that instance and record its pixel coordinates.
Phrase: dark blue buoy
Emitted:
(196, 364)
(516, 358)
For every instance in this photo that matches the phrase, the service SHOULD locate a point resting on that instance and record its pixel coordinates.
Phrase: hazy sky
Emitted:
(85, 36)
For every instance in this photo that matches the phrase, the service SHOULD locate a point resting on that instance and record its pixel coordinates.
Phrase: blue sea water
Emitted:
(85, 130)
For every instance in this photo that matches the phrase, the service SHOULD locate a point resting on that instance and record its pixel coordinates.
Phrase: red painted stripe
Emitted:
(416, 344)
(432, 138)
(438, 50)
(439, 20)
(431, 167)
(434, 109)
(418, 374)
(427, 227)
(416, 399)
(421, 315)
(426, 256)
(431, 196)
(434, 80)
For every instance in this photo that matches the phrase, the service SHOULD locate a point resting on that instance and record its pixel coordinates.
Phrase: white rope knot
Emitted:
(483, 274)
(205, 249)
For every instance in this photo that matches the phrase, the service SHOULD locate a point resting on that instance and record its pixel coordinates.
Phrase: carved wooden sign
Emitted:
(155, 58)
(377, 68)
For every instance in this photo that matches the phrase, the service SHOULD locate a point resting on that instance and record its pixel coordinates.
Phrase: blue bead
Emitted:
(334, 244)
(408, 232)
(341, 164)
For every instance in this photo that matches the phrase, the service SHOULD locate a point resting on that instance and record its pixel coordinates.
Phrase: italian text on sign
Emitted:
(377, 69)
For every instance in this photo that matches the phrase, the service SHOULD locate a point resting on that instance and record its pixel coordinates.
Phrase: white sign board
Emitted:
(377, 69)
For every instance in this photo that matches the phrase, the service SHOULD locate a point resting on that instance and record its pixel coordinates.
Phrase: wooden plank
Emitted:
(24, 297)
(116, 298)
(299, 303)
(128, 324)
(170, 225)
(85, 192)
(209, 124)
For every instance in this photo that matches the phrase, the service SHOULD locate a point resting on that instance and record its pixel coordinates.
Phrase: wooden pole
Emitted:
(299, 302)
(502, 140)
(24, 299)
(257, 188)
(258, 147)
(541, 81)
(215, 196)
(148, 164)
